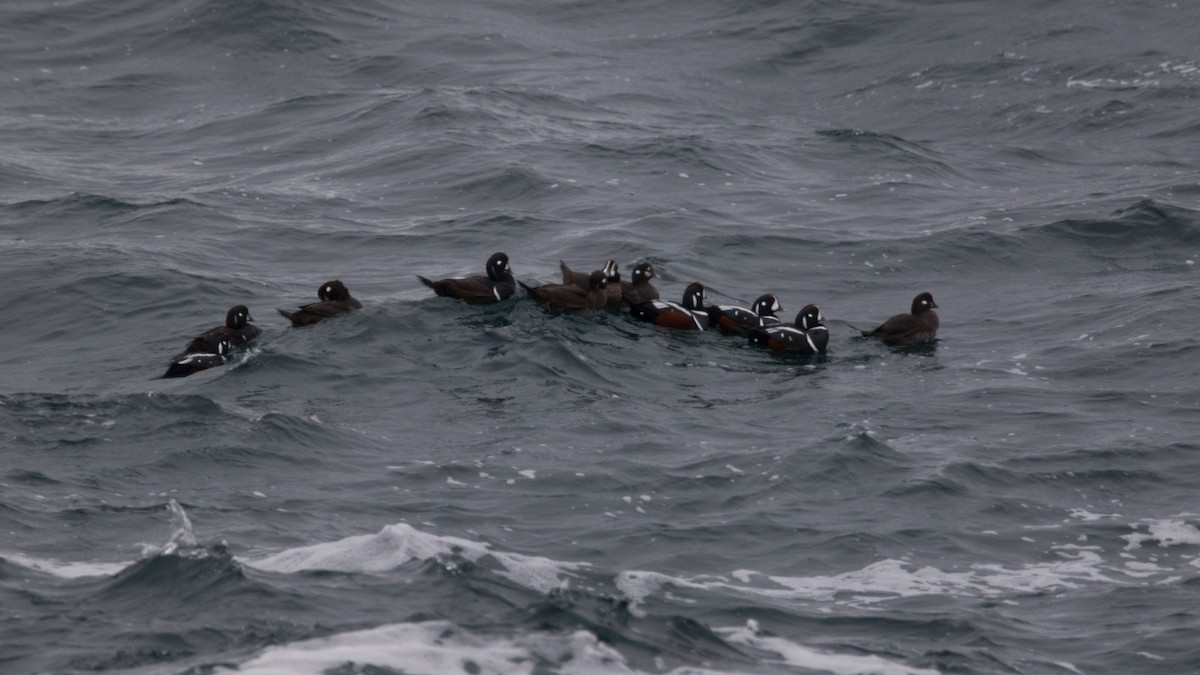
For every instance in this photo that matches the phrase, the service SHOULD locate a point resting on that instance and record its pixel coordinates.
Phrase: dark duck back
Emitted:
(188, 363)
(807, 336)
(497, 286)
(740, 320)
(335, 299)
(639, 289)
(611, 274)
(909, 329)
(237, 329)
(570, 297)
(691, 314)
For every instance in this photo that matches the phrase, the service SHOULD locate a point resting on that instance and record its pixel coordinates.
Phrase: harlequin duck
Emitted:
(639, 289)
(237, 328)
(909, 329)
(611, 274)
(335, 299)
(691, 314)
(807, 336)
(188, 363)
(739, 320)
(571, 297)
(497, 286)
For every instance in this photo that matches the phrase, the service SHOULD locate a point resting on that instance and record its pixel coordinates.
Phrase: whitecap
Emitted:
(65, 570)
(181, 542)
(799, 656)
(436, 647)
(890, 579)
(397, 544)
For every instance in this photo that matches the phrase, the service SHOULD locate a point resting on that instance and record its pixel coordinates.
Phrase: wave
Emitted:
(439, 647)
(1146, 224)
(445, 647)
(63, 569)
(398, 544)
(891, 152)
(889, 580)
(1148, 233)
(621, 630)
(77, 418)
(167, 28)
(92, 205)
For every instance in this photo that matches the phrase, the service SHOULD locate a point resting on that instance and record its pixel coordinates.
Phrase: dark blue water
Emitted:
(427, 487)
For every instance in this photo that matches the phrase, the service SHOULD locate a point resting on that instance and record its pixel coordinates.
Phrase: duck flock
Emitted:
(580, 292)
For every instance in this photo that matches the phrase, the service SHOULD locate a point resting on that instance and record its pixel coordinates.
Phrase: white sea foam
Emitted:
(182, 541)
(442, 647)
(1084, 514)
(439, 647)
(1113, 84)
(397, 544)
(891, 579)
(66, 570)
(1166, 533)
(1142, 569)
(792, 654)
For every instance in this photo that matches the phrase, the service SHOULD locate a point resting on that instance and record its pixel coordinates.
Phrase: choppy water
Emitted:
(423, 487)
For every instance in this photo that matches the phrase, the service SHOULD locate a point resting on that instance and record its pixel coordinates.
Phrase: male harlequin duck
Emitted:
(335, 299)
(571, 297)
(691, 314)
(739, 320)
(909, 329)
(807, 336)
(639, 290)
(237, 328)
(188, 363)
(497, 286)
(611, 274)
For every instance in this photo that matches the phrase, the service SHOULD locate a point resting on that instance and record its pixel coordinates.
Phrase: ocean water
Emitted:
(427, 487)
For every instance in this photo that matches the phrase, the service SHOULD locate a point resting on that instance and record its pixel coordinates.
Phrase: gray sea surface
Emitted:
(424, 486)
